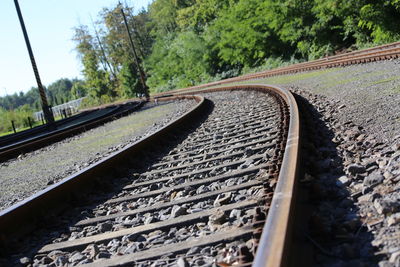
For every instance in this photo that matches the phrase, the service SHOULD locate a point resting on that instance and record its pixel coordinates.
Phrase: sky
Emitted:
(49, 24)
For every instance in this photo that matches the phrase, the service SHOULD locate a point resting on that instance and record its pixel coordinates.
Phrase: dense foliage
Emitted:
(107, 57)
(186, 42)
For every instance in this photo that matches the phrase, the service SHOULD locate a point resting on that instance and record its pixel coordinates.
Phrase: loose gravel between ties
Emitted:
(352, 175)
(32, 172)
(203, 203)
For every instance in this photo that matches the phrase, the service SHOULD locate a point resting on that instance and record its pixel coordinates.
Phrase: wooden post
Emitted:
(13, 126)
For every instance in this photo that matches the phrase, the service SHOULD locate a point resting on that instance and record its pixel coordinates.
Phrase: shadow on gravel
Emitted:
(328, 231)
(57, 225)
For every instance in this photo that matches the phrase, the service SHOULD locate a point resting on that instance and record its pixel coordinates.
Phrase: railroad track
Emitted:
(383, 52)
(214, 187)
(26, 141)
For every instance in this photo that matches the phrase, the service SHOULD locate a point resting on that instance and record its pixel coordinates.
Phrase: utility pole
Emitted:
(141, 72)
(137, 34)
(48, 114)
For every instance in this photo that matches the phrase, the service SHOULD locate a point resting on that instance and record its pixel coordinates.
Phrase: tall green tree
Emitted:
(130, 86)
(382, 19)
(163, 14)
(178, 62)
(97, 80)
(186, 42)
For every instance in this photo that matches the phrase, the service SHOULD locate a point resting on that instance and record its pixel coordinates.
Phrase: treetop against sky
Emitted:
(50, 27)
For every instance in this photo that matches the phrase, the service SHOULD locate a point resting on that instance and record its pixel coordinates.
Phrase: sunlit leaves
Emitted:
(178, 61)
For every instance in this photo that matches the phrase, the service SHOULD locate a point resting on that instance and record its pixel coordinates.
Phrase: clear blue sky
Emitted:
(49, 24)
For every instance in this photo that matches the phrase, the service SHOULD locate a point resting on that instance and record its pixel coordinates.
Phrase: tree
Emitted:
(243, 35)
(97, 80)
(186, 42)
(200, 14)
(381, 18)
(163, 15)
(178, 61)
(129, 81)
(60, 90)
(78, 90)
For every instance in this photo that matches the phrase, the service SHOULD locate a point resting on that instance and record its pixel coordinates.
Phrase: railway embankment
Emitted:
(196, 193)
(31, 172)
(352, 161)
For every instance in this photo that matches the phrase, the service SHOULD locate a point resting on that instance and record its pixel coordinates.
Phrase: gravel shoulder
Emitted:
(352, 171)
(32, 172)
(369, 92)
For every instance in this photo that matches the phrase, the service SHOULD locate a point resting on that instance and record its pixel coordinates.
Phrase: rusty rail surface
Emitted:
(383, 52)
(27, 214)
(52, 137)
(274, 246)
(274, 243)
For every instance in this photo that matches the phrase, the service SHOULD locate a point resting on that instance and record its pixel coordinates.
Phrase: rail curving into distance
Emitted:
(273, 243)
(27, 214)
(383, 52)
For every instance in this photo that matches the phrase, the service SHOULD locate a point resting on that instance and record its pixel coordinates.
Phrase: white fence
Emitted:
(69, 107)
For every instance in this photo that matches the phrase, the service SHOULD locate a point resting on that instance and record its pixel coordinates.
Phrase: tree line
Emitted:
(19, 106)
(186, 42)
(59, 92)
(182, 43)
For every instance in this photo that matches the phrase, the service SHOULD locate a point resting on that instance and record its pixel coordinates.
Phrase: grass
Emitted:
(394, 90)
(20, 129)
(383, 81)
(34, 124)
(122, 128)
(6, 133)
(282, 79)
(335, 80)
(329, 79)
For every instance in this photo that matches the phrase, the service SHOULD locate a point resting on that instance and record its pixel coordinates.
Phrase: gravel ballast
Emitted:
(369, 94)
(352, 166)
(203, 182)
(32, 172)
(352, 172)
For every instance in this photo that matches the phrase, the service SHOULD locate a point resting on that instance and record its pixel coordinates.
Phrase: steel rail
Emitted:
(41, 131)
(274, 246)
(25, 146)
(6, 139)
(383, 52)
(27, 214)
(274, 243)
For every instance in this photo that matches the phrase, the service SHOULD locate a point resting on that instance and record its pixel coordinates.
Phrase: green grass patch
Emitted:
(281, 79)
(20, 129)
(6, 133)
(333, 81)
(382, 81)
(394, 90)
